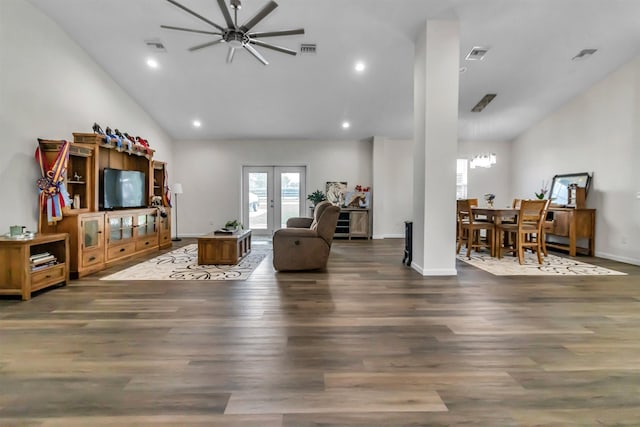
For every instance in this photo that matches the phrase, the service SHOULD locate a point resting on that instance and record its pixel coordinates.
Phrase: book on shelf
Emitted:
(38, 256)
(43, 260)
(223, 231)
(43, 266)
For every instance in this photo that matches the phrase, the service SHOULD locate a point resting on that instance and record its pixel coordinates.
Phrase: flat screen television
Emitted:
(123, 189)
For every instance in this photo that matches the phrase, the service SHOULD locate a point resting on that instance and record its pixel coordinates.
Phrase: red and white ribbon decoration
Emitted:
(53, 193)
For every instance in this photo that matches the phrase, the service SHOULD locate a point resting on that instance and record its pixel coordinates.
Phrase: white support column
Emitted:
(436, 78)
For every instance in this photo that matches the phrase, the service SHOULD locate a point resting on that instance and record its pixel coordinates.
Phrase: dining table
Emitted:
(495, 215)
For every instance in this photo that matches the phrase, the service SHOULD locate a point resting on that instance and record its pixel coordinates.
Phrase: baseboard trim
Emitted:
(612, 257)
(388, 236)
(434, 271)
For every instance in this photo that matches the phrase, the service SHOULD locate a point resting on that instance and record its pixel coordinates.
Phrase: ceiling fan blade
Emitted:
(232, 51)
(175, 3)
(225, 12)
(169, 27)
(200, 46)
(273, 47)
(277, 33)
(256, 54)
(259, 16)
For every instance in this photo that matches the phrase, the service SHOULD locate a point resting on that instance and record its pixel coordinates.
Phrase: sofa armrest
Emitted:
(299, 249)
(299, 222)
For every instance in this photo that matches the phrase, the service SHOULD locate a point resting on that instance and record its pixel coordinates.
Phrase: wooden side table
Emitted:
(17, 277)
(223, 248)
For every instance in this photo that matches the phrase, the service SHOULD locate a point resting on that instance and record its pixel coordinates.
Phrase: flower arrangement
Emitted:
(489, 198)
(544, 189)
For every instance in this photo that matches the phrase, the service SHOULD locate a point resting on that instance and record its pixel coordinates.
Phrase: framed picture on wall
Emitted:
(336, 191)
(357, 199)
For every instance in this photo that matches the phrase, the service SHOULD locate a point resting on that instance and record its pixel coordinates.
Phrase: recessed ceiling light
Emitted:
(196, 123)
(346, 125)
(152, 63)
(360, 66)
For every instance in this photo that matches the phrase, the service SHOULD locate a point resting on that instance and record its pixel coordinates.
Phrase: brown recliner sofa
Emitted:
(306, 242)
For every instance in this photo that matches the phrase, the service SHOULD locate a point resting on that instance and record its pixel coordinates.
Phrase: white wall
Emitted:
(598, 132)
(50, 88)
(393, 184)
(211, 173)
(496, 179)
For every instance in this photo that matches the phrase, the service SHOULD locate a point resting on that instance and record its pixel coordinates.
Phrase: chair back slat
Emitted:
(532, 212)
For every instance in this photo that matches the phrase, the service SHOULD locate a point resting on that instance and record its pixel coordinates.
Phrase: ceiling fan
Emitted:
(238, 36)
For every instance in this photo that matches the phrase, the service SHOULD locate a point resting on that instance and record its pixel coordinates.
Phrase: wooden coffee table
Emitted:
(223, 248)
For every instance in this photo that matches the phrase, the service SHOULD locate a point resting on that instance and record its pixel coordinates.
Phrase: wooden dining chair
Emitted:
(546, 225)
(469, 229)
(527, 231)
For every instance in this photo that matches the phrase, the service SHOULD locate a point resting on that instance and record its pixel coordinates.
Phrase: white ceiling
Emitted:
(528, 66)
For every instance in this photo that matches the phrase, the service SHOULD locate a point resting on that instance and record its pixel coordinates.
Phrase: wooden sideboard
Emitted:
(571, 224)
(354, 222)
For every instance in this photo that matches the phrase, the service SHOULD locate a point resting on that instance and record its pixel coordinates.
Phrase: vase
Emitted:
(490, 203)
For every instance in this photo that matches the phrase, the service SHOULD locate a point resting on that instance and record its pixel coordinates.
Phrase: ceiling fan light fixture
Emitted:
(235, 39)
(238, 36)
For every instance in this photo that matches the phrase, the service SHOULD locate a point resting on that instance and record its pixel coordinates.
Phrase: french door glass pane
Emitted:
(289, 196)
(258, 200)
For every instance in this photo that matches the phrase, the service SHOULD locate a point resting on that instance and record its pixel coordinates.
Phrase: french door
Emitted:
(271, 195)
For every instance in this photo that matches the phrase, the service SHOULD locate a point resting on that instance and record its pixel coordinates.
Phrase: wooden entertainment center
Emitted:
(99, 238)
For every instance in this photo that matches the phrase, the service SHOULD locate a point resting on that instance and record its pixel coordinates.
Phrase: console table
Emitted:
(223, 248)
(572, 224)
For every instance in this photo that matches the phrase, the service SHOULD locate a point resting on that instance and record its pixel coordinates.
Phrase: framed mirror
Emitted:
(560, 186)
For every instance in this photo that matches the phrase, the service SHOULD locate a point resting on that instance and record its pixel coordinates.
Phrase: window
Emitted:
(461, 178)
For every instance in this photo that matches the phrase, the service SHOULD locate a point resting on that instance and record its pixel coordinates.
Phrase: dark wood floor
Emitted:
(367, 343)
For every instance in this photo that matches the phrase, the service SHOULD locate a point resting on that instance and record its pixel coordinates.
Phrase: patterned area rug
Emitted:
(552, 265)
(182, 264)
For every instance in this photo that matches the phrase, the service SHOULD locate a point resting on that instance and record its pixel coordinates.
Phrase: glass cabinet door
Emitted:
(146, 225)
(92, 232)
(120, 228)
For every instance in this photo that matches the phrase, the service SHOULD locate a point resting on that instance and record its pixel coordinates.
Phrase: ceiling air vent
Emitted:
(477, 53)
(483, 102)
(308, 48)
(155, 45)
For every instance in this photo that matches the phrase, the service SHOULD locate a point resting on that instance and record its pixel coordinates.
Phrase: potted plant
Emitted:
(233, 225)
(316, 197)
